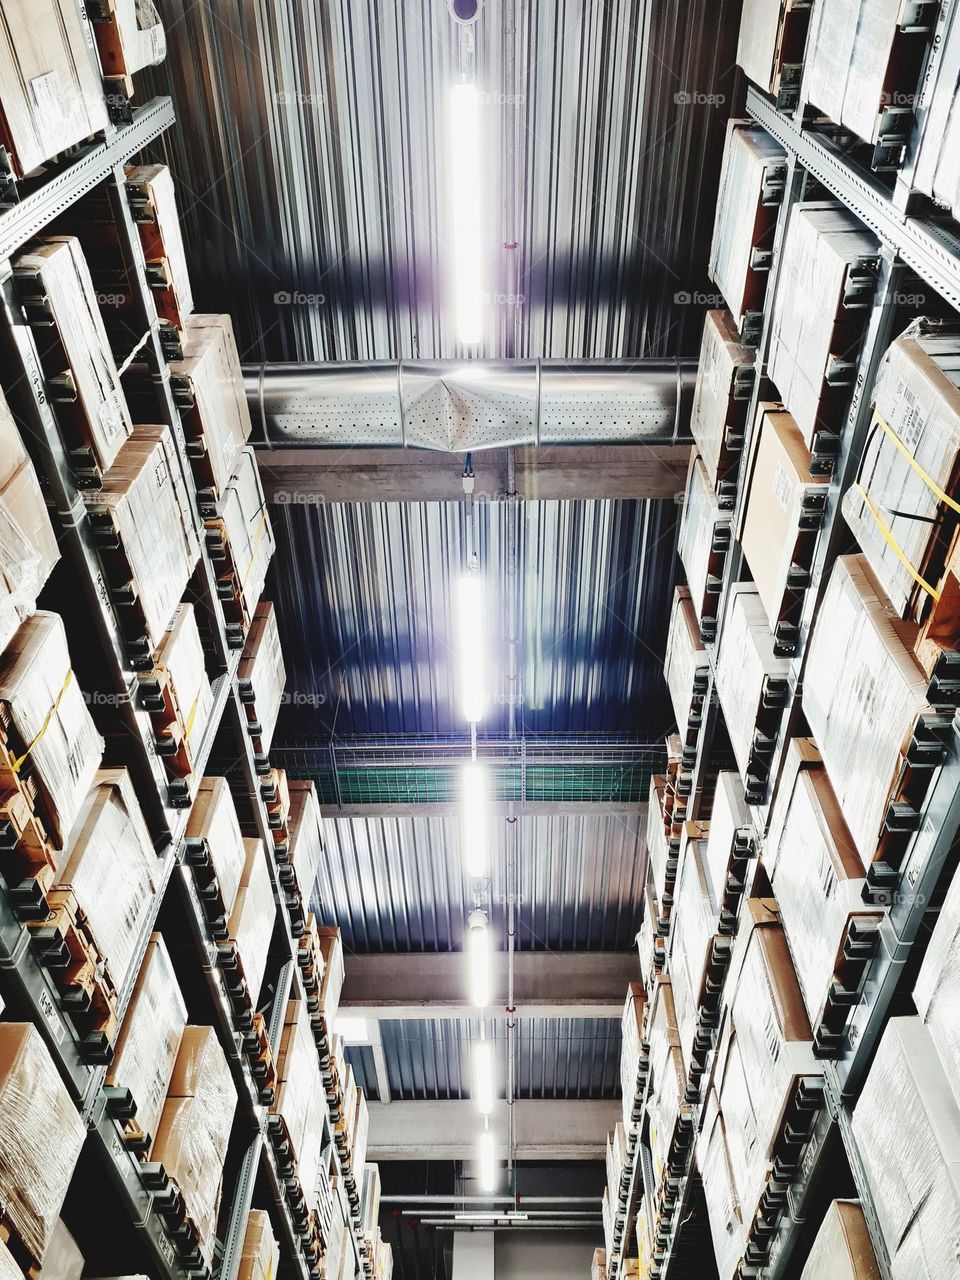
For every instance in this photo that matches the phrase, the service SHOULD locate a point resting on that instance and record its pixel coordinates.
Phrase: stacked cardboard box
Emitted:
(842, 1249)
(668, 1078)
(818, 881)
(727, 1228)
(649, 942)
(937, 990)
(130, 36)
(785, 503)
(695, 941)
(370, 1201)
(253, 916)
(154, 202)
(208, 385)
(241, 544)
(40, 1138)
(730, 844)
(751, 188)
(299, 1096)
(725, 376)
(598, 1265)
(260, 1255)
(51, 97)
(662, 857)
(28, 545)
(911, 458)
(608, 1213)
(752, 686)
(907, 1127)
(262, 677)
(704, 539)
(177, 692)
(632, 1052)
(149, 1039)
(301, 859)
(55, 284)
(616, 1161)
(937, 169)
(46, 725)
(864, 695)
(63, 1259)
(686, 666)
(773, 34)
(216, 845)
(148, 542)
(194, 1129)
(859, 58)
(827, 281)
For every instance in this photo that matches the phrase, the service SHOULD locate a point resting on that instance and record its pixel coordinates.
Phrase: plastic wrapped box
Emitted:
(40, 1138)
(110, 877)
(55, 285)
(902, 525)
(770, 50)
(785, 504)
(662, 860)
(241, 544)
(668, 1078)
(745, 1150)
(180, 674)
(263, 677)
(130, 37)
(686, 666)
(46, 724)
(153, 199)
(631, 1049)
(253, 916)
(695, 943)
(306, 837)
(260, 1255)
(863, 697)
(213, 824)
(727, 1229)
(50, 94)
(598, 1265)
(703, 542)
(299, 1101)
(752, 179)
(827, 282)
(149, 547)
(616, 1158)
(149, 1039)
(907, 1127)
(937, 990)
(370, 1200)
(649, 942)
(751, 684)
(730, 840)
(194, 1129)
(937, 170)
(361, 1131)
(208, 383)
(28, 545)
(725, 374)
(842, 1249)
(331, 948)
(818, 880)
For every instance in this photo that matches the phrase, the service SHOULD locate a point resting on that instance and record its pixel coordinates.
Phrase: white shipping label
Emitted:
(48, 99)
(111, 417)
(782, 487)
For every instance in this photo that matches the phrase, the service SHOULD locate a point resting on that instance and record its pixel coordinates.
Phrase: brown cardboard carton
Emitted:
(213, 819)
(254, 915)
(331, 948)
(724, 378)
(299, 1095)
(842, 1249)
(63, 1259)
(260, 1255)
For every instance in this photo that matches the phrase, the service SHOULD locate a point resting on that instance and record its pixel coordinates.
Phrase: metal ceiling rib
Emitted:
(312, 168)
(364, 593)
(556, 1057)
(396, 883)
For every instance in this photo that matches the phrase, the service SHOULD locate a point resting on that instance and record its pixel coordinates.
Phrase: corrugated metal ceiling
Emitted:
(397, 884)
(312, 161)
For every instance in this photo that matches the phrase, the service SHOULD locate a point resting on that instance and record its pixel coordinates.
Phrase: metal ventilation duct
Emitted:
(466, 405)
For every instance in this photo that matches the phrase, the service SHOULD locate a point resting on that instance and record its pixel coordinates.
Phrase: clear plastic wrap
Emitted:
(8, 1267)
(657, 847)
(842, 1249)
(384, 1269)
(331, 948)
(306, 836)
(745, 1148)
(757, 47)
(907, 1126)
(695, 923)
(598, 1265)
(723, 1207)
(746, 658)
(99, 414)
(300, 1095)
(863, 693)
(213, 818)
(820, 245)
(260, 1255)
(892, 510)
(616, 1157)
(63, 1259)
(937, 990)
(253, 916)
(160, 231)
(28, 545)
(728, 816)
(262, 666)
(211, 369)
(361, 1130)
(141, 34)
(742, 221)
(607, 1214)
(721, 355)
(112, 872)
(52, 95)
(46, 707)
(370, 1200)
(181, 656)
(685, 657)
(668, 1079)
(847, 68)
(149, 1038)
(194, 1130)
(248, 529)
(40, 1138)
(648, 932)
(701, 515)
(141, 494)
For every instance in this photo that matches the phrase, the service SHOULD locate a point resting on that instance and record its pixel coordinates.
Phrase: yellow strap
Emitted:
(927, 479)
(19, 763)
(895, 547)
(193, 713)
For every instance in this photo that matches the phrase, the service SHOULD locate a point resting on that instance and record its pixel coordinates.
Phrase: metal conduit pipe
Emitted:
(427, 1198)
(459, 406)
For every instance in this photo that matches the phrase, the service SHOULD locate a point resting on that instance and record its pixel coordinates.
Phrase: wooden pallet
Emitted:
(18, 1250)
(169, 1204)
(66, 947)
(305, 1219)
(158, 696)
(23, 801)
(229, 581)
(249, 1023)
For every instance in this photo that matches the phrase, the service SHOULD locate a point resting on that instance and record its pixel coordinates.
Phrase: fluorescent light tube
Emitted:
(470, 646)
(465, 186)
(483, 1069)
(486, 1162)
(474, 801)
(479, 959)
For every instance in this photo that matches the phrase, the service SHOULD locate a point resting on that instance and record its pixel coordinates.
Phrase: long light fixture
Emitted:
(470, 647)
(486, 1162)
(473, 819)
(479, 958)
(352, 1028)
(465, 183)
(483, 1067)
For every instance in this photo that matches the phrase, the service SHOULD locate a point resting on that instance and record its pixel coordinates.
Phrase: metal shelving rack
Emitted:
(102, 164)
(928, 245)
